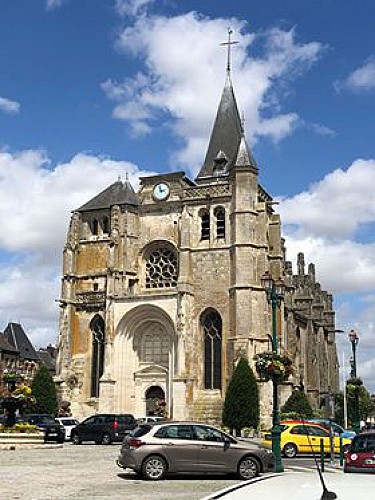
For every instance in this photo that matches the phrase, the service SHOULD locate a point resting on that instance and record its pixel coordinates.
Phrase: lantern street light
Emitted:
(275, 295)
(354, 340)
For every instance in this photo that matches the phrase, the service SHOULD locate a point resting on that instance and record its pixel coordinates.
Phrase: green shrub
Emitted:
(241, 405)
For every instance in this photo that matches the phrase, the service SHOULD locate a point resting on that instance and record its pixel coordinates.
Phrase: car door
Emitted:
(307, 438)
(179, 447)
(213, 453)
(86, 429)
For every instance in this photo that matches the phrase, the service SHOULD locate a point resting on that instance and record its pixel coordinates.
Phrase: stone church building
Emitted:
(161, 291)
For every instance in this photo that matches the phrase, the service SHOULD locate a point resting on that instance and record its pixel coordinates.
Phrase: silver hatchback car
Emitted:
(154, 450)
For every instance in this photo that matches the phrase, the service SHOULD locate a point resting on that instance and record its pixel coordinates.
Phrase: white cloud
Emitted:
(184, 76)
(132, 7)
(9, 106)
(337, 206)
(54, 4)
(341, 265)
(362, 79)
(61, 189)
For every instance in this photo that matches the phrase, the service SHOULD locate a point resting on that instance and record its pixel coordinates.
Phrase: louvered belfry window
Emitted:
(220, 222)
(205, 226)
(212, 329)
(162, 267)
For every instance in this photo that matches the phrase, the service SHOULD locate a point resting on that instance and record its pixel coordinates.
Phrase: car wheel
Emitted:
(248, 468)
(60, 440)
(106, 438)
(154, 468)
(76, 439)
(290, 450)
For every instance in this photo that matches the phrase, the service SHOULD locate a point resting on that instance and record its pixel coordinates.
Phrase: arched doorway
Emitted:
(155, 401)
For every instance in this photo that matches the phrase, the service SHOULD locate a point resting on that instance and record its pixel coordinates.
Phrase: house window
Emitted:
(212, 332)
(205, 225)
(97, 327)
(220, 222)
(161, 267)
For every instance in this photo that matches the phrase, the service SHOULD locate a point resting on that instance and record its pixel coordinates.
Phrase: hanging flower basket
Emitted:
(356, 381)
(275, 367)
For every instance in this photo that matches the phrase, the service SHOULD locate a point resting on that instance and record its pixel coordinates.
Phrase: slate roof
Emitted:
(5, 345)
(226, 133)
(17, 338)
(118, 193)
(47, 359)
(244, 156)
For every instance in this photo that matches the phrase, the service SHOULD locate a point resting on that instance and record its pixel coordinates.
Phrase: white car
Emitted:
(150, 419)
(68, 423)
(301, 486)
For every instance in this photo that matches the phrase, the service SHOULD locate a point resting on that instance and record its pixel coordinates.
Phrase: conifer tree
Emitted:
(298, 405)
(241, 405)
(44, 391)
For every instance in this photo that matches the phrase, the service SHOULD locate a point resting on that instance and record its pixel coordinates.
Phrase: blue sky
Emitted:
(90, 89)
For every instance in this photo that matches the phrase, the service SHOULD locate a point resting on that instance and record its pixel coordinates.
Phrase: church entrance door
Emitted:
(155, 401)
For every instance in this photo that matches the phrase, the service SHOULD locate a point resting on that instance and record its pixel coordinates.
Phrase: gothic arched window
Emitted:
(155, 346)
(95, 227)
(220, 222)
(205, 225)
(161, 267)
(97, 327)
(212, 330)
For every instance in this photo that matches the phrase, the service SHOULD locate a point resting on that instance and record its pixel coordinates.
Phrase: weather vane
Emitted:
(228, 44)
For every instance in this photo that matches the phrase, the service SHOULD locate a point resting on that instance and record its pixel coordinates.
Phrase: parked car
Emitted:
(150, 419)
(361, 454)
(53, 430)
(152, 450)
(337, 428)
(299, 486)
(68, 423)
(305, 437)
(103, 428)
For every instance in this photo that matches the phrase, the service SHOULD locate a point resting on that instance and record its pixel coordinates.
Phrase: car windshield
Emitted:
(44, 419)
(363, 444)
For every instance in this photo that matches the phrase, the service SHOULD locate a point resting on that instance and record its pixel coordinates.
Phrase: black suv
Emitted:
(103, 428)
(53, 431)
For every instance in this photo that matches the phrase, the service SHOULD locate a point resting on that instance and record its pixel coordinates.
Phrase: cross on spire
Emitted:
(228, 44)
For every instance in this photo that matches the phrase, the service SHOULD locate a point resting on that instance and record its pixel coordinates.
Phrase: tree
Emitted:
(241, 405)
(44, 391)
(366, 405)
(298, 405)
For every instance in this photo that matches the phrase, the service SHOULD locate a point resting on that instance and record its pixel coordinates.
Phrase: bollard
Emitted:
(322, 455)
(341, 453)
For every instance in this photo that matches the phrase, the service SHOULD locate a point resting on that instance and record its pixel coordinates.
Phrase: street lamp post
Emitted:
(275, 295)
(354, 339)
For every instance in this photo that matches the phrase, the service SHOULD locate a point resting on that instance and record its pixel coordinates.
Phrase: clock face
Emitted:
(161, 191)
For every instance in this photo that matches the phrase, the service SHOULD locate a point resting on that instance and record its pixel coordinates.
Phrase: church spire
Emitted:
(227, 131)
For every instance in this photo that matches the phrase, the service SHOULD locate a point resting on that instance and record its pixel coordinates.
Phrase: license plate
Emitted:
(369, 461)
(53, 434)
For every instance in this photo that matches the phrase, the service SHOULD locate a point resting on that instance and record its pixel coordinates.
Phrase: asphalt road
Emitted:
(89, 471)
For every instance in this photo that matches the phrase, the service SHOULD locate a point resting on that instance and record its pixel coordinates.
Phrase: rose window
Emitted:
(161, 268)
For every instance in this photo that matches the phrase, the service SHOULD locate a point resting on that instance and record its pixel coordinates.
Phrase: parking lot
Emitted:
(89, 471)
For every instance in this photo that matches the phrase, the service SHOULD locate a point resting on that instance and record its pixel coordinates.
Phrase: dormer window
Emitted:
(220, 163)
